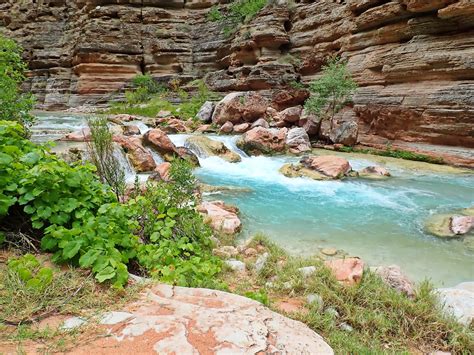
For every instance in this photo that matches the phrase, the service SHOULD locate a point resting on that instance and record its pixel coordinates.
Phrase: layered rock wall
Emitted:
(413, 59)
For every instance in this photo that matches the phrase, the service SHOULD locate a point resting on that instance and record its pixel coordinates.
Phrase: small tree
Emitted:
(14, 105)
(101, 151)
(331, 91)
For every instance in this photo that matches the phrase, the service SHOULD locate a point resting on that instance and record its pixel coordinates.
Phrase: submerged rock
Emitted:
(221, 217)
(260, 140)
(298, 170)
(206, 147)
(451, 225)
(374, 172)
(226, 189)
(348, 271)
(459, 301)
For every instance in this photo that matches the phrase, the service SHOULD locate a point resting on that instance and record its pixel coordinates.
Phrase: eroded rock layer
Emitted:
(413, 59)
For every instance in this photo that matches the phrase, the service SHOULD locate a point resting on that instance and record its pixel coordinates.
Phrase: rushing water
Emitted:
(380, 221)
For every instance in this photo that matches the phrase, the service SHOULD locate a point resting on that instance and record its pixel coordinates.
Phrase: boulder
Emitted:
(205, 112)
(141, 158)
(159, 141)
(374, 172)
(329, 165)
(345, 133)
(459, 301)
(205, 147)
(297, 140)
(310, 123)
(452, 225)
(260, 140)
(174, 125)
(131, 130)
(241, 128)
(394, 277)
(348, 271)
(261, 122)
(163, 171)
(240, 107)
(167, 319)
(221, 217)
(227, 128)
(291, 114)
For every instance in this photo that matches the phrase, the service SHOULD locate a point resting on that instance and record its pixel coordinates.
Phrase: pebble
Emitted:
(261, 261)
(346, 327)
(307, 270)
(315, 299)
(235, 265)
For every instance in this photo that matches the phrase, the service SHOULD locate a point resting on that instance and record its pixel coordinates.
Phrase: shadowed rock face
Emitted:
(411, 58)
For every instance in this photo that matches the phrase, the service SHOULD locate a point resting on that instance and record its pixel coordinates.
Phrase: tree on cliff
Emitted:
(14, 104)
(331, 91)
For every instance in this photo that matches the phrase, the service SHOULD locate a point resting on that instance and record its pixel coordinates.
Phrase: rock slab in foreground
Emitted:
(178, 320)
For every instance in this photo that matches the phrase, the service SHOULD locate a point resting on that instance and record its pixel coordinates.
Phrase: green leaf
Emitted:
(89, 258)
(71, 249)
(5, 159)
(106, 274)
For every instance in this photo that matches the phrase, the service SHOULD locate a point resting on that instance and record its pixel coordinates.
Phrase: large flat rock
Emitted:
(178, 320)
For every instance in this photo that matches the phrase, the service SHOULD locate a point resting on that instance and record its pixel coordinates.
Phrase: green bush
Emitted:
(14, 105)
(331, 91)
(83, 224)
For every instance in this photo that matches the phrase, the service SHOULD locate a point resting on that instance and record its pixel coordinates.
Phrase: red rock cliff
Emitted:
(413, 59)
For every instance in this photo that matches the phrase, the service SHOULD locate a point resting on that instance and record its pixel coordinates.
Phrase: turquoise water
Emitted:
(379, 221)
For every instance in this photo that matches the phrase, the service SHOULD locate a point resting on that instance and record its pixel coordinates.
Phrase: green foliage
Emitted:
(259, 296)
(332, 90)
(28, 269)
(395, 153)
(214, 14)
(83, 224)
(14, 105)
(101, 152)
(144, 88)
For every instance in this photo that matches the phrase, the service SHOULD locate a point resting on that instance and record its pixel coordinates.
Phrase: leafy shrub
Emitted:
(14, 105)
(28, 269)
(259, 296)
(144, 88)
(331, 91)
(83, 224)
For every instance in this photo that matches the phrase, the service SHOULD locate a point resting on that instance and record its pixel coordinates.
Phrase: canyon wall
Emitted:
(413, 59)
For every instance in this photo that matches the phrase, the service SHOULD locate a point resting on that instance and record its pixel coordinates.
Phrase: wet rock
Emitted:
(451, 225)
(332, 166)
(241, 128)
(297, 140)
(307, 270)
(226, 251)
(170, 319)
(141, 159)
(461, 225)
(374, 172)
(261, 261)
(205, 112)
(261, 122)
(131, 130)
(394, 277)
(239, 107)
(224, 189)
(348, 271)
(261, 140)
(82, 135)
(206, 147)
(298, 170)
(163, 171)
(158, 139)
(187, 155)
(226, 128)
(459, 301)
(235, 265)
(222, 218)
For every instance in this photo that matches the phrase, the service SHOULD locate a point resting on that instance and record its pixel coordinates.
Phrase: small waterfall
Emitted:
(141, 126)
(125, 164)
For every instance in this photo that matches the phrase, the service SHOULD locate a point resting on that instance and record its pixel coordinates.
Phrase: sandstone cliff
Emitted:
(413, 59)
